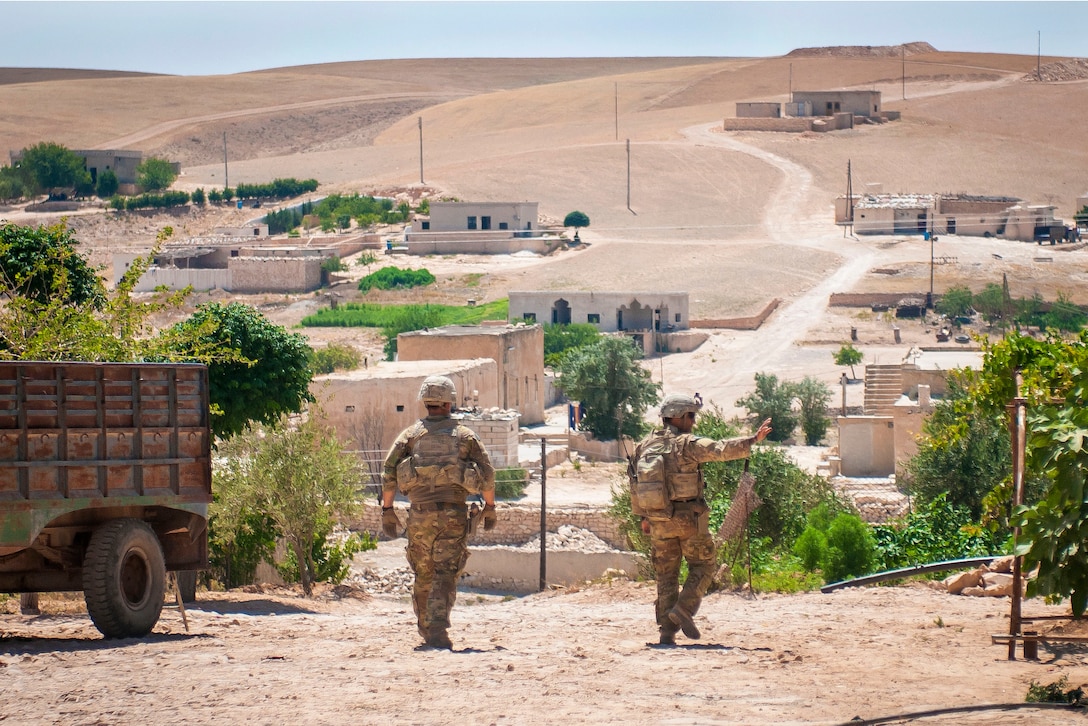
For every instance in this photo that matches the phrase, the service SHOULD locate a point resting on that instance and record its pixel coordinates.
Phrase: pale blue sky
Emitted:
(204, 38)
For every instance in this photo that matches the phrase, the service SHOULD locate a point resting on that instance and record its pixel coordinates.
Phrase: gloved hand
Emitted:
(390, 523)
(490, 518)
(645, 525)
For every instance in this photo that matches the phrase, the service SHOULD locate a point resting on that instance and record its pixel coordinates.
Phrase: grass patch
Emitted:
(374, 315)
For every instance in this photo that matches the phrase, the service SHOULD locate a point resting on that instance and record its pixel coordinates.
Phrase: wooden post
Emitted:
(1017, 430)
(543, 513)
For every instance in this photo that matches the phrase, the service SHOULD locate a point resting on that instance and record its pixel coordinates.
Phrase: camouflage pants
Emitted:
(686, 535)
(437, 552)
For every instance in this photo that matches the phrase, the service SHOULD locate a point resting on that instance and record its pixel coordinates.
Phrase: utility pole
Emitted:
(420, 149)
(616, 98)
(849, 200)
(543, 514)
(1039, 58)
(629, 176)
(903, 52)
(226, 177)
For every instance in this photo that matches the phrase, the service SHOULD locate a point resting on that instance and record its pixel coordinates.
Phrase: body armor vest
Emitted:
(435, 460)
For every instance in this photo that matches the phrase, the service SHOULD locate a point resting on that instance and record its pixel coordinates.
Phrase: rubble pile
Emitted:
(1073, 69)
(390, 582)
(568, 538)
(993, 580)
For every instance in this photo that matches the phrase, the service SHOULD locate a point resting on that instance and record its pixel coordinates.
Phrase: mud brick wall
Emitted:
(795, 125)
(516, 525)
(275, 274)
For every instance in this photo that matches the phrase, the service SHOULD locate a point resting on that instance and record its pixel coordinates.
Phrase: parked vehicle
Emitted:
(105, 481)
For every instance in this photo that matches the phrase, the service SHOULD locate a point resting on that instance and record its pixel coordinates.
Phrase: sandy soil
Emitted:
(582, 656)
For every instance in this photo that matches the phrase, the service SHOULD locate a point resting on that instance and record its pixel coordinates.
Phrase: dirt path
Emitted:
(579, 657)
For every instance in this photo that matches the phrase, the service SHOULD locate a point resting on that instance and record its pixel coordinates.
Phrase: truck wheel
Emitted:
(124, 578)
(187, 585)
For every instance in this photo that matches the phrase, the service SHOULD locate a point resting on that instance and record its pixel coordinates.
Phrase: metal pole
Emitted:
(543, 512)
(930, 301)
(1039, 58)
(904, 56)
(226, 177)
(617, 112)
(1017, 429)
(628, 174)
(420, 149)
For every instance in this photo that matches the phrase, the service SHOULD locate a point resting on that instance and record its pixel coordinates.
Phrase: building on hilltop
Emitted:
(478, 228)
(962, 214)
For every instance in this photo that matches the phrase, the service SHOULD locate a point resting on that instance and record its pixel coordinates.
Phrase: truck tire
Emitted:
(186, 585)
(124, 578)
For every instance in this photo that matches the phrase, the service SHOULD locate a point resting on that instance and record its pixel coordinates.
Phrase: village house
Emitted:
(478, 228)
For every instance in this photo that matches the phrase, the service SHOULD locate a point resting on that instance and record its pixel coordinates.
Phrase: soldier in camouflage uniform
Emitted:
(680, 529)
(437, 463)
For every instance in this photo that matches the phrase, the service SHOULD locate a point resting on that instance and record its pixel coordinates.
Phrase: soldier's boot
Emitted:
(682, 620)
(438, 639)
(668, 635)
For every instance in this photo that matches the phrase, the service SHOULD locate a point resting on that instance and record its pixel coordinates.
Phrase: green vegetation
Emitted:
(335, 357)
(560, 340)
(154, 174)
(51, 168)
(510, 483)
(814, 395)
(43, 264)
(392, 278)
(613, 388)
(935, 531)
(285, 219)
(150, 201)
(576, 219)
(302, 483)
(848, 355)
(276, 189)
(375, 315)
(955, 302)
(1054, 692)
(363, 209)
(774, 400)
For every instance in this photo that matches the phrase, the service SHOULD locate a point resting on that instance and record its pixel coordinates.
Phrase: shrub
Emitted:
(335, 357)
(774, 400)
(850, 548)
(389, 278)
(811, 548)
(510, 483)
(332, 559)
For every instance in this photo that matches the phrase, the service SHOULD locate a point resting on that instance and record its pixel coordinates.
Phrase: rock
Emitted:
(957, 582)
(997, 584)
(1001, 564)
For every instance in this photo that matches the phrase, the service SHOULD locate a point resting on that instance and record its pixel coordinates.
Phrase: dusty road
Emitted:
(557, 657)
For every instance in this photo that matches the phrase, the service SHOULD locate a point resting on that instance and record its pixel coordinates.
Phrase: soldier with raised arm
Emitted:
(667, 493)
(437, 462)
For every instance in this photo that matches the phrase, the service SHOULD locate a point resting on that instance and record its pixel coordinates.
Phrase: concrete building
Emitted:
(369, 407)
(829, 103)
(480, 216)
(518, 352)
(1003, 217)
(759, 109)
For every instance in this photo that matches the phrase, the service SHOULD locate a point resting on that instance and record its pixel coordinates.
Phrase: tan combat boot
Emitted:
(682, 620)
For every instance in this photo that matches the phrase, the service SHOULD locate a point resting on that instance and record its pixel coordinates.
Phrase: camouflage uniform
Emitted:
(438, 516)
(687, 532)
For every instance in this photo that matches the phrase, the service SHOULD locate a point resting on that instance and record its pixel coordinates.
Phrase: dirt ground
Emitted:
(580, 656)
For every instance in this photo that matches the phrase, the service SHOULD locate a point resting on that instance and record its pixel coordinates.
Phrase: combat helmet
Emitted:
(676, 405)
(437, 390)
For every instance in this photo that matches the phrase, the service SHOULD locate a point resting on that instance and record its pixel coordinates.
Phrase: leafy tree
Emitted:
(611, 385)
(1054, 525)
(298, 476)
(559, 340)
(1064, 315)
(576, 219)
(848, 355)
(198, 196)
(269, 379)
(52, 166)
(108, 184)
(955, 302)
(13, 184)
(154, 174)
(42, 263)
(814, 395)
(994, 305)
(963, 451)
(850, 548)
(84, 186)
(773, 400)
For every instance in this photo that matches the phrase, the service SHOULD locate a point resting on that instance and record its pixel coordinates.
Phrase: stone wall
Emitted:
(749, 323)
(794, 125)
(499, 433)
(517, 523)
(275, 274)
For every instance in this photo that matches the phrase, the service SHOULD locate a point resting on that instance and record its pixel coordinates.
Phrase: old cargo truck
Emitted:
(105, 481)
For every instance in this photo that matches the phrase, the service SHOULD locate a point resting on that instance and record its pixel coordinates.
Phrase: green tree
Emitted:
(814, 395)
(963, 450)
(611, 385)
(154, 174)
(559, 340)
(773, 400)
(299, 477)
(43, 263)
(1064, 315)
(848, 355)
(576, 219)
(108, 184)
(994, 305)
(198, 196)
(52, 167)
(955, 302)
(335, 357)
(13, 184)
(271, 376)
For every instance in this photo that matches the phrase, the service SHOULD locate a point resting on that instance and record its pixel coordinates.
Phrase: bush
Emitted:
(811, 548)
(335, 357)
(389, 278)
(107, 184)
(850, 548)
(936, 531)
(510, 483)
(332, 559)
(774, 400)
